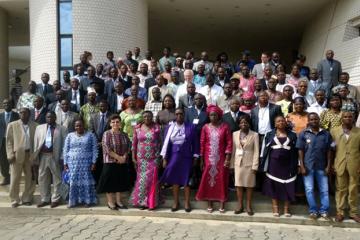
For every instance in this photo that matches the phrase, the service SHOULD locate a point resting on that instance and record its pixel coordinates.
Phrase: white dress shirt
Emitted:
(264, 125)
(211, 93)
(317, 108)
(120, 99)
(182, 90)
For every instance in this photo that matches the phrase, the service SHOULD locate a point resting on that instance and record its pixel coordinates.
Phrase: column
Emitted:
(4, 55)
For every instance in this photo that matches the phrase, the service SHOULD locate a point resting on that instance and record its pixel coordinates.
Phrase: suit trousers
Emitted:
(347, 187)
(48, 169)
(16, 170)
(4, 163)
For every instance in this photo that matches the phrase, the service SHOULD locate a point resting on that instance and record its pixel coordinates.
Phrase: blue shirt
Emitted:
(142, 93)
(315, 147)
(199, 80)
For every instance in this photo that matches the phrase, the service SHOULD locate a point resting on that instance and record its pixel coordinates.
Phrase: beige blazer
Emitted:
(60, 133)
(250, 151)
(15, 139)
(347, 150)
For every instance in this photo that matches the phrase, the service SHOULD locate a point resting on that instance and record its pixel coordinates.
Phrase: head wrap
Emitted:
(90, 90)
(213, 108)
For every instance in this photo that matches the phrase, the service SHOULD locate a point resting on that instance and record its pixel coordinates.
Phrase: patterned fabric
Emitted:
(129, 121)
(297, 122)
(115, 142)
(86, 111)
(147, 146)
(330, 119)
(154, 107)
(80, 152)
(26, 100)
(215, 142)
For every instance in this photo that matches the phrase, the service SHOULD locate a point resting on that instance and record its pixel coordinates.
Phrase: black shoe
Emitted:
(15, 205)
(250, 212)
(142, 207)
(27, 203)
(5, 182)
(55, 204)
(238, 211)
(112, 208)
(121, 206)
(188, 209)
(43, 204)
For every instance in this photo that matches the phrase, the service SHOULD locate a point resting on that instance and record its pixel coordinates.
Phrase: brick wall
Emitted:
(99, 26)
(331, 29)
(43, 39)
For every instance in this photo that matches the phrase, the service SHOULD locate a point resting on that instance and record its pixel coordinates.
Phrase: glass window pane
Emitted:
(65, 10)
(66, 52)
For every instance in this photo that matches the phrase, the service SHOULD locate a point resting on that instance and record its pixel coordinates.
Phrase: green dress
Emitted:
(129, 121)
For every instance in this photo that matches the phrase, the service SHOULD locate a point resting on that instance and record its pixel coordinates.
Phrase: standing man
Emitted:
(258, 70)
(38, 112)
(65, 117)
(346, 139)
(48, 145)
(6, 117)
(314, 146)
(74, 95)
(19, 147)
(211, 91)
(44, 88)
(329, 70)
(166, 58)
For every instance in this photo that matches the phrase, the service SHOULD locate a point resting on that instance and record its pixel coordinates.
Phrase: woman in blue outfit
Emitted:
(80, 153)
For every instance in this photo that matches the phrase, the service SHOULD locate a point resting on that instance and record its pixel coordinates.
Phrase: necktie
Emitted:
(48, 139)
(190, 101)
(45, 90)
(37, 113)
(75, 96)
(101, 125)
(234, 117)
(7, 117)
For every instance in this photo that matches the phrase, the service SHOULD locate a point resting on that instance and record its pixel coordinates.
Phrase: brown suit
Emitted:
(347, 163)
(245, 158)
(20, 159)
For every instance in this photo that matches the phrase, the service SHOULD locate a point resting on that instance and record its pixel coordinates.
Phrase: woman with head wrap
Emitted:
(215, 154)
(248, 102)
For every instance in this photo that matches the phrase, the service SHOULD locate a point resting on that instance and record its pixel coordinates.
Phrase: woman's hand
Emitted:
(66, 167)
(93, 167)
(201, 163)
(164, 163)
(302, 170)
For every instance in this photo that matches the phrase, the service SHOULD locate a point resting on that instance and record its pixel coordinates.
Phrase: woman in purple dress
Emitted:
(280, 163)
(180, 150)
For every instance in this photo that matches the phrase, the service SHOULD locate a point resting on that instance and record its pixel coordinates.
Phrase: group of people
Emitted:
(187, 123)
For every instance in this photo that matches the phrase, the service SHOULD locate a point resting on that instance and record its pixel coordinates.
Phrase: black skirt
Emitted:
(114, 178)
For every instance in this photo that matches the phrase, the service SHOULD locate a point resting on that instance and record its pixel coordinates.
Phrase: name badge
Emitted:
(239, 152)
(196, 121)
(331, 68)
(308, 140)
(133, 123)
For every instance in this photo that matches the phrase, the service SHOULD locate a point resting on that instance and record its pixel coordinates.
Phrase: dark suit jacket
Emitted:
(127, 81)
(191, 114)
(228, 119)
(39, 89)
(328, 76)
(82, 96)
(274, 110)
(113, 103)
(149, 82)
(263, 84)
(94, 124)
(217, 82)
(184, 101)
(42, 116)
(109, 86)
(52, 107)
(13, 117)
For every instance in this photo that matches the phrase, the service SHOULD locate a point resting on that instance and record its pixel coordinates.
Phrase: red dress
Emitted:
(215, 142)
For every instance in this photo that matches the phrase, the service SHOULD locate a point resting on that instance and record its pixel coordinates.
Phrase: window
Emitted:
(65, 36)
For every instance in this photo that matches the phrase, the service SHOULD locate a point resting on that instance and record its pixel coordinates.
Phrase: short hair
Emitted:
(245, 117)
(114, 116)
(345, 73)
(147, 112)
(313, 113)
(109, 52)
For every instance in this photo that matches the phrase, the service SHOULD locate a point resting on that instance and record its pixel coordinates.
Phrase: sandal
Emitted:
(287, 213)
(210, 210)
(275, 210)
(222, 210)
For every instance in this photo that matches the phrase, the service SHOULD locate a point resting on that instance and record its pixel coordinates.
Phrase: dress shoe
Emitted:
(15, 205)
(112, 208)
(121, 206)
(238, 211)
(55, 204)
(339, 218)
(175, 209)
(356, 218)
(250, 212)
(43, 204)
(188, 209)
(27, 203)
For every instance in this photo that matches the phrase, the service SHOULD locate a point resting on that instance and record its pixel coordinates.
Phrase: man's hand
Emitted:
(303, 170)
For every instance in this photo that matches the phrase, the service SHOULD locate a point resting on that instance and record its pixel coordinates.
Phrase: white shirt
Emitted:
(27, 136)
(120, 99)
(211, 94)
(142, 79)
(317, 108)
(182, 90)
(264, 125)
(208, 65)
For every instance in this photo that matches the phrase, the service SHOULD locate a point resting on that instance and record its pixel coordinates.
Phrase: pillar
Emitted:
(4, 55)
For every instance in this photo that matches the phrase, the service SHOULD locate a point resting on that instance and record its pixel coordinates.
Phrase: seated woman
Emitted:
(179, 152)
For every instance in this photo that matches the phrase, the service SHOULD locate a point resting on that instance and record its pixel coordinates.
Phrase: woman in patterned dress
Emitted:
(146, 148)
(130, 117)
(215, 154)
(331, 117)
(80, 154)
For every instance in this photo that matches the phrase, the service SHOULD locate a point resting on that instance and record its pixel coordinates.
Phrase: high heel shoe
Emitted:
(112, 208)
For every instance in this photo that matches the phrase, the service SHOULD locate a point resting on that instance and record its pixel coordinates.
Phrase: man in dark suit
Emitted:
(124, 77)
(51, 97)
(197, 115)
(5, 118)
(267, 76)
(111, 81)
(187, 101)
(232, 118)
(263, 115)
(44, 88)
(116, 98)
(329, 69)
(221, 77)
(38, 113)
(98, 125)
(149, 82)
(75, 95)
(56, 106)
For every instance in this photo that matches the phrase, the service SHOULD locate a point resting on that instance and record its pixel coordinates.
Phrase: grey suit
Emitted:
(49, 163)
(4, 163)
(258, 70)
(184, 101)
(67, 120)
(329, 72)
(94, 124)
